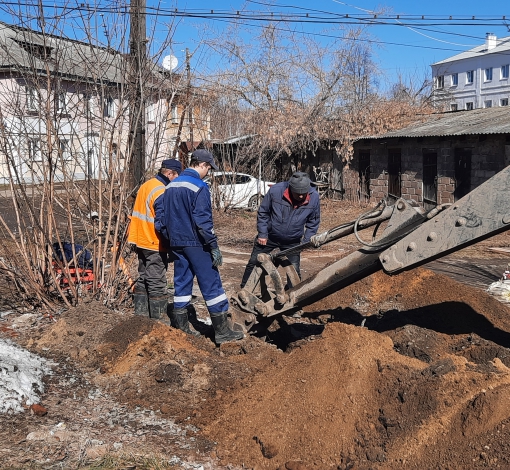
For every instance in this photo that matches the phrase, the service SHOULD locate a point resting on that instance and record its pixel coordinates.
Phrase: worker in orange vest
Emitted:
(150, 295)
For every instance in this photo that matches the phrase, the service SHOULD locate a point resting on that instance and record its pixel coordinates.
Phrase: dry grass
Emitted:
(238, 228)
(124, 462)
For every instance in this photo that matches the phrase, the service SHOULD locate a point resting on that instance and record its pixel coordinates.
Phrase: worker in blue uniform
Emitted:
(289, 215)
(189, 227)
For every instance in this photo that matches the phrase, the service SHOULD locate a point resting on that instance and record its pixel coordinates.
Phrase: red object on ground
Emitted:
(38, 410)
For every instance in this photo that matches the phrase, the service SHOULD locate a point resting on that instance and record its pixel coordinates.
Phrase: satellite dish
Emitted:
(170, 62)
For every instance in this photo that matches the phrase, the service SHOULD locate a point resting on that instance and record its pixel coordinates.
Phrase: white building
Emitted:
(65, 109)
(478, 78)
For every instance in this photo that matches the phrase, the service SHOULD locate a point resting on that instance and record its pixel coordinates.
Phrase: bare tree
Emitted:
(65, 106)
(292, 93)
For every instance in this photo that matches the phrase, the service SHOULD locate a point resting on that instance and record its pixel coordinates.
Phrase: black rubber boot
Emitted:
(158, 308)
(141, 302)
(179, 319)
(223, 333)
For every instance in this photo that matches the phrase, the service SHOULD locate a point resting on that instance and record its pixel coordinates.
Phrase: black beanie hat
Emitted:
(299, 182)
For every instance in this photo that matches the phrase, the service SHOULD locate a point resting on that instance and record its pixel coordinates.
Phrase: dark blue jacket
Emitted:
(159, 206)
(283, 223)
(188, 212)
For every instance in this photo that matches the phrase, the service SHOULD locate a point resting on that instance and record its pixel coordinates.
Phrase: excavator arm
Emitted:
(410, 238)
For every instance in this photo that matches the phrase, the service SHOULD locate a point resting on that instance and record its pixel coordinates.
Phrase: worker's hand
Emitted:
(262, 241)
(171, 256)
(217, 257)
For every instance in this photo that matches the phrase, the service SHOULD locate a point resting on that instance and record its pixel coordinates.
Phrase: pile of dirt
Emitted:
(149, 364)
(349, 398)
(432, 391)
(409, 371)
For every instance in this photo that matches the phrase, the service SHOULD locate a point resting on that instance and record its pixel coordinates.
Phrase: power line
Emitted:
(237, 17)
(384, 43)
(317, 17)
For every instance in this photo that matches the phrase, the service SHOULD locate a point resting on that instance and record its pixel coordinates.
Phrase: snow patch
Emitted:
(500, 289)
(21, 374)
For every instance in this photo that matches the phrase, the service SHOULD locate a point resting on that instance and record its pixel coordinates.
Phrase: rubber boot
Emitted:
(158, 307)
(179, 319)
(141, 302)
(222, 330)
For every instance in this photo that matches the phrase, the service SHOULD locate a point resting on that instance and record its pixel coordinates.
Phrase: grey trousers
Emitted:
(152, 267)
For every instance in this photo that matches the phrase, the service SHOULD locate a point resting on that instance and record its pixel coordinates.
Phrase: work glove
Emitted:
(171, 256)
(217, 257)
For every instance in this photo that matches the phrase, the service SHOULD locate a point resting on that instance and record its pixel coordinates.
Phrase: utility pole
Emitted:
(138, 60)
(190, 108)
(187, 110)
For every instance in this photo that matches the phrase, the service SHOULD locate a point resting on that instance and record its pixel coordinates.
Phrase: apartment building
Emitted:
(478, 78)
(65, 109)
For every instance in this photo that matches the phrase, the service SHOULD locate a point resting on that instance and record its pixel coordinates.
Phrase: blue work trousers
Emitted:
(191, 262)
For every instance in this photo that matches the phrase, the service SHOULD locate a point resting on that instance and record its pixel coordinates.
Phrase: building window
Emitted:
(454, 107)
(34, 150)
(488, 74)
(61, 102)
(455, 79)
(504, 71)
(32, 97)
(64, 149)
(440, 81)
(487, 104)
(503, 102)
(469, 105)
(191, 116)
(109, 107)
(175, 114)
(470, 76)
(88, 105)
(151, 112)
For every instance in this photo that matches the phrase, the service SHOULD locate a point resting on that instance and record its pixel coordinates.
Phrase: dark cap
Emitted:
(203, 155)
(299, 182)
(172, 164)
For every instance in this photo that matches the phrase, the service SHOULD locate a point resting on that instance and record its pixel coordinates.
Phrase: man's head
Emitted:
(202, 161)
(299, 185)
(171, 168)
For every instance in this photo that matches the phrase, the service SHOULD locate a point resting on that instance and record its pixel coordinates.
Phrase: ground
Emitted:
(410, 371)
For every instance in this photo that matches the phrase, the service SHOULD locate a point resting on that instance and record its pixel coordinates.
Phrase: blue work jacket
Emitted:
(188, 212)
(282, 222)
(158, 204)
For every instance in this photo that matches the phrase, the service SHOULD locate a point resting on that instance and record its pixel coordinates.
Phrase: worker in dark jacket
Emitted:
(150, 294)
(289, 215)
(189, 224)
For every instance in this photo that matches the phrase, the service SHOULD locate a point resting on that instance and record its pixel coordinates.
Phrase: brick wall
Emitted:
(489, 154)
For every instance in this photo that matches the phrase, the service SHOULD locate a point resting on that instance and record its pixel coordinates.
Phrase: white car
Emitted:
(239, 190)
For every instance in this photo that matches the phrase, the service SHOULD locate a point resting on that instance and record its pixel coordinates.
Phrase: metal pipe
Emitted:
(337, 232)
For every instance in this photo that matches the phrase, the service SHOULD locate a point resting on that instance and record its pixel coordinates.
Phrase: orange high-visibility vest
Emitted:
(141, 231)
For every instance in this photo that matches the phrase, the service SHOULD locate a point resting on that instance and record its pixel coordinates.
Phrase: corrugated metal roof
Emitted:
(477, 121)
(24, 48)
(502, 45)
(237, 139)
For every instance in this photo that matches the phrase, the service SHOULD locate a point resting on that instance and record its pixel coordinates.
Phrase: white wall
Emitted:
(480, 90)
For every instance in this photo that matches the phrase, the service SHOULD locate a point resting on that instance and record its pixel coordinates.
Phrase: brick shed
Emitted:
(435, 162)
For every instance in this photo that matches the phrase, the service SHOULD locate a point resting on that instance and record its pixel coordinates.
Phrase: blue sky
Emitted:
(404, 45)
(399, 48)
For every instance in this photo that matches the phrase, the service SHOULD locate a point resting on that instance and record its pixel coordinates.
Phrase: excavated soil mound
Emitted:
(409, 371)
